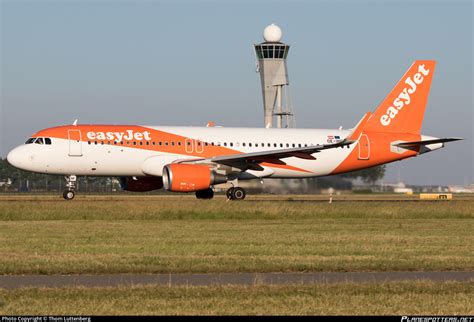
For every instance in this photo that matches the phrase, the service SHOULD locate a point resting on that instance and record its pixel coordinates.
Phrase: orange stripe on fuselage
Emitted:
(380, 151)
(140, 142)
(156, 136)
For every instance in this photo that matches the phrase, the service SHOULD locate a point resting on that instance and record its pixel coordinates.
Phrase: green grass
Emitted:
(401, 298)
(13, 208)
(180, 234)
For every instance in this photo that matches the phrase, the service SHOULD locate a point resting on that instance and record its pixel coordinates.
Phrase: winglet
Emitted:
(356, 131)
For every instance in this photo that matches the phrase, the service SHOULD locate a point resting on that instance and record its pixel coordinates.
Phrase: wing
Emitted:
(251, 161)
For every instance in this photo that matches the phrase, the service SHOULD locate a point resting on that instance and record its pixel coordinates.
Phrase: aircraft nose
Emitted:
(16, 158)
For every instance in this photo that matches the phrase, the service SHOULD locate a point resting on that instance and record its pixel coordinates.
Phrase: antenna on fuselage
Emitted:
(75, 122)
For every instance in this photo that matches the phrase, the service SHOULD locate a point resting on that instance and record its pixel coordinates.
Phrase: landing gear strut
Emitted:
(205, 194)
(236, 193)
(71, 186)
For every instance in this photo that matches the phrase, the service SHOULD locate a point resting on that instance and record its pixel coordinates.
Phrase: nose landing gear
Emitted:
(71, 186)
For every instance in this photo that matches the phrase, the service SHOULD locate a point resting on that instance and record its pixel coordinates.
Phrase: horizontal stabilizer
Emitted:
(426, 142)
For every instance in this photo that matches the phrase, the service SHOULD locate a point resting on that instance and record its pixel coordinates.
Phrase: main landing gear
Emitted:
(236, 193)
(205, 194)
(71, 186)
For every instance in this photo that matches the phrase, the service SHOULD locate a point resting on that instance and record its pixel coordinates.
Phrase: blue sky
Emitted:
(185, 63)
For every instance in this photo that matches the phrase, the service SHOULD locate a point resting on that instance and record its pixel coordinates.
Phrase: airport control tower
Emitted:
(271, 63)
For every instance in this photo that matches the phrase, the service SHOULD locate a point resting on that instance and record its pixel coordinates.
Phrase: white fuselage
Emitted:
(106, 158)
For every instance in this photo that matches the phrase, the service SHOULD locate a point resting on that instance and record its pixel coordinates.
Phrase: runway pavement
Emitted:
(219, 279)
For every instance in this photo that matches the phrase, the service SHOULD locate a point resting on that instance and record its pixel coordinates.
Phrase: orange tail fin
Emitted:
(403, 109)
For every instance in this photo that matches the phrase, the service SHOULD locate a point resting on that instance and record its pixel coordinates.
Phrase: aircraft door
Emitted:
(364, 147)
(75, 143)
(193, 146)
(189, 145)
(199, 146)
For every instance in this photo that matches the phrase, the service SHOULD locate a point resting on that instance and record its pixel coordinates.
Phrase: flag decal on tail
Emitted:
(333, 139)
(404, 97)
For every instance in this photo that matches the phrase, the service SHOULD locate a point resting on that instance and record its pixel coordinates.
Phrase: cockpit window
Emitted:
(46, 141)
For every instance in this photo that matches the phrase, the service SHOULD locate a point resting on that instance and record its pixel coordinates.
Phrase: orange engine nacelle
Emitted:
(190, 177)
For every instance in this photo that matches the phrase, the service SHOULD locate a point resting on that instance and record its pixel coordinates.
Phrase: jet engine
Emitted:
(190, 177)
(141, 184)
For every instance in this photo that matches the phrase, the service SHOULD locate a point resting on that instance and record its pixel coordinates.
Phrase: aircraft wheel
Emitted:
(205, 194)
(238, 193)
(229, 193)
(68, 195)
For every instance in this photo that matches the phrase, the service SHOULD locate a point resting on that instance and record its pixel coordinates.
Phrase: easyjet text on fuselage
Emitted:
(128, 135)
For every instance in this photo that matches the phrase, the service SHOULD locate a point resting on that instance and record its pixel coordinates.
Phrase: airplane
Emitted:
(195, 159)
